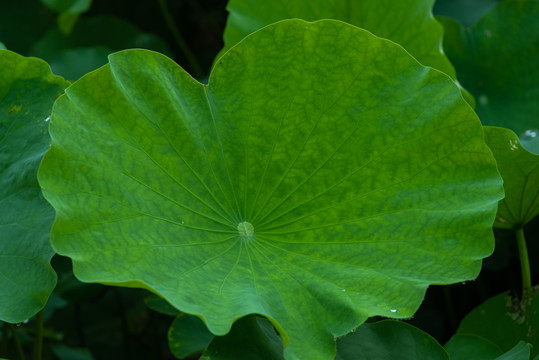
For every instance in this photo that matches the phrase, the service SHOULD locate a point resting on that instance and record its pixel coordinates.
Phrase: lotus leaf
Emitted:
(322, 176)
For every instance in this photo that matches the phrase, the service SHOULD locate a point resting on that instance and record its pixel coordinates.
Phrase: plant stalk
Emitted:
(197, 70)
(38, 340)
(17, 342)
(524, 263)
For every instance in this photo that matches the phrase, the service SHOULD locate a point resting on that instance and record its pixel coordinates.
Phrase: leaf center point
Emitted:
(246, 230)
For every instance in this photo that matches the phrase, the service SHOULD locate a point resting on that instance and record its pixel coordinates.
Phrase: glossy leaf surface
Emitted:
(303, 183)
(505, 320)
(388, 340)
(408, 23)
(497, 60)
(27, 92)
(520, 171)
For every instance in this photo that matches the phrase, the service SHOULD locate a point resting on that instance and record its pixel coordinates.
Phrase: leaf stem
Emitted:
(524, 262)
(17, 342)
(38, 340)
(197, 70)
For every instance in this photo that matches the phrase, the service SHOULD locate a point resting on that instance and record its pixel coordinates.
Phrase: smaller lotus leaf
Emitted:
(497, 60)
(188, 335)
(251, 338)
(520, 172)
(505, 320)
(389, 340)
(471, 346)
(321, 177)
(408, 23)
(27, 91)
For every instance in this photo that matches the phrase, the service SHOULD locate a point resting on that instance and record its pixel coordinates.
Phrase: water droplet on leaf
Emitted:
(483, 100)
(393, 310)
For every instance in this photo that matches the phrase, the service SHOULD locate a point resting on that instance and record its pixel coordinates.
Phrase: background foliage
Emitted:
(85, 321)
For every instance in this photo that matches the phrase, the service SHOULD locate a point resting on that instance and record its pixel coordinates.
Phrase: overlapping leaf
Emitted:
(520, 171)
(497, 60)
(505, 320)
(304, 183)
(388, 340)
(27, 92)
(409, 23)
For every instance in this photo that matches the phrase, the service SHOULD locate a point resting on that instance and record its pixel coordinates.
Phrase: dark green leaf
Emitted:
(159, 304)
(497, 60)
(520, 172)
(251, 338)
(91, 40)
(188, 335)
(27, 92)
(71, 6)
(505, 320)
(470, 346)
(303, 183)
(388, 340)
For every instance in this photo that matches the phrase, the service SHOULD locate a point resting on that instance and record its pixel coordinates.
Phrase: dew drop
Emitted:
(18, 324)
(393, 310)
(483, 100)
(529, 139)
(183, 222)
(48, 119)
(530, 134)
(343, 290)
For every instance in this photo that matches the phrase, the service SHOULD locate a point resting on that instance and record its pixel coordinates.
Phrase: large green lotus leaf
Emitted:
(505, 320)
(497, 60)
(388, 340)
(321, 177)
(409, 23)
(27, 91)
(520, 171)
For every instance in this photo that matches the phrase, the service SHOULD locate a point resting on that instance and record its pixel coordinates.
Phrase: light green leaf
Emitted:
(251, 338)
(388, 340)
(188, 335)
(497, 60)
(470, 346)
(520, 172)
(303, 183)
(505, 320)
(520, 351)
(408, 23)
(27, 92)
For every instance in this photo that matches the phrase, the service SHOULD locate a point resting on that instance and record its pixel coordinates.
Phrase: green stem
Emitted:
(38, 340)
(17, 342)
(524, 262)
(197, 70)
